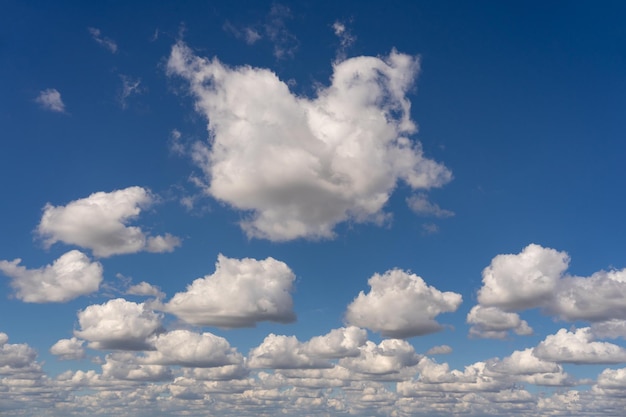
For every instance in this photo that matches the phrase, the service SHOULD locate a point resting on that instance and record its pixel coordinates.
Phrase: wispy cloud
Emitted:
(50, 99)
(130, 86)
(346, 39)
(105, 42)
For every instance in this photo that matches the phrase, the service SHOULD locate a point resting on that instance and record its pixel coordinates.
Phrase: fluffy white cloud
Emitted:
(144, 288)
(118, 324)
(103, 41)
(299, 165)
(439, 350)
(578, 347)
(493, 323)
(388, 357)
(68, 349)
(612, 379)
(50, 99)
(240, 293)
(14, 356)
(283, 352)
(189, 349)
(524, 366)
(70, 276)
(602, 296)
(524, 280)
(400, 304)
(126, 366)
(99, 222)
(287, 352)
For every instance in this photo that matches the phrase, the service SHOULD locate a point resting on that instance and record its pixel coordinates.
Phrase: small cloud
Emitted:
(50, 99)
(248, 34)
(430, 228)
(285, 42)
(144, 288)
(439, 350)
(346, 39)
(176, 146)
(105, 42)
(130, 87)
(421, 206)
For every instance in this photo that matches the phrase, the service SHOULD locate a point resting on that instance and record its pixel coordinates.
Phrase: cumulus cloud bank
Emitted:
(99, 222)
(300, 166)
(400, 304)
(70, 276)
(240, 293)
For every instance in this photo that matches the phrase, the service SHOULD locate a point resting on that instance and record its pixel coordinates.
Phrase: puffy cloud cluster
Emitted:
(118, 324)
(300, 166)
(240, 293)
(578, 347)
(536, 277)
(68, 349)
(400, 304)
(70, 276)
(99, 222)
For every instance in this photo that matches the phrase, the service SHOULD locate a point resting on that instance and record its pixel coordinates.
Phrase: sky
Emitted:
(312, 208)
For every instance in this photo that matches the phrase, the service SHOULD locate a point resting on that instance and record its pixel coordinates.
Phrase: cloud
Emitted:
(524, 280)
(388, 357)
(346, 39)
(401, 305)
(609, 329)
(99, 222)
(118, 324)
(578, 347)
(14, 356)
(420, 205)
(524, 366)
(143, 288)
(602, 296)
(439, 350)
(189, 349)
(287, 352)
(300, 166)
(68, 349)
(493, 323)
(536, 277)
(240, 293)
(69, 277)
(285, 43)
(130, 87)
(105, 42)
(125, 366)
(50, 99)
(249, 34)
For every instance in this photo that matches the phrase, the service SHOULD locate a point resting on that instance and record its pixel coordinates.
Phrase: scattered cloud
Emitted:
(240, 293)
(285, 43)
(130, 87)
(400, 304)
(493, 323)
(346, 39)
(249, 34)
(578, 347)
(390, 356)
(70, 276)
(118, 324)
(99, 222)
(103, 41)
(143, 288)
(439, 350)
(68, 349)
(299, 165)
(421, 206)
(50, 99)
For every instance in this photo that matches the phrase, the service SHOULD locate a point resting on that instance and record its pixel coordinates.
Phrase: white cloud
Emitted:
(287, 352)
(612, 379)
(439, 350)
(105, 42)
(609, 329)
(189, 349)
(420, 205)
(388, 357)
(143, 288)
(50, 99)
(99, 222)
(14, 356)
(346, 39)
(68, 349)
(118, 324)
(285, 43)
(300, 166)
(524, 280)
(602, 296)
(240, 293)
(70, 276)
(126, 366)
(130, 86)
(493, 323)
(400, 304)
(283, 352)
(578, 347)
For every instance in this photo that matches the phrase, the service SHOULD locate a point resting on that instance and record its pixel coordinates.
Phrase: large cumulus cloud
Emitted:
(299, 166)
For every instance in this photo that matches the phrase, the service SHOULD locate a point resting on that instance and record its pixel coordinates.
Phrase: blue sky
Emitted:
(301, 209)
